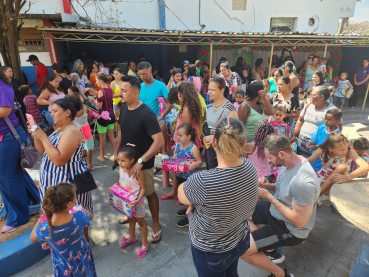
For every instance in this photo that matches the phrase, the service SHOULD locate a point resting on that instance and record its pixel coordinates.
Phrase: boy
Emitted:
(332, 119)
(198, 64)
(338, 97)
(302, 97)
(360, 146)
(279, 115)
(239, 98)
(32, 108)
(323, 67)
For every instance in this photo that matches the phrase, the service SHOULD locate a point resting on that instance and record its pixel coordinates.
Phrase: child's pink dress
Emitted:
(331, 165)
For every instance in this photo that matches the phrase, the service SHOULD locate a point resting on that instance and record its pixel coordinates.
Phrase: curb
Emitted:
(19, 253)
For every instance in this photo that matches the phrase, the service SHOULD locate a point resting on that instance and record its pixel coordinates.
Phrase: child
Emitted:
(81, 121)
(198, 65)
(279, 115)
(127, 157)
(323, 66)
(185, 148)
(30, 102)
(332, 119)
(302, 97)
(70, 252)
(185, 76)
(73, 90)
(337, 155)
(239, 98)
(360, 146)
(339, 98)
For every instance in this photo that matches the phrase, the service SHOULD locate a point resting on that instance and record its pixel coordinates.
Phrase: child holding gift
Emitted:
(127, 157)
(279, 114)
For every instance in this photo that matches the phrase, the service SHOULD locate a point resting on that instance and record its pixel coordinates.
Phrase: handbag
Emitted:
(84, 182)
(105, 122)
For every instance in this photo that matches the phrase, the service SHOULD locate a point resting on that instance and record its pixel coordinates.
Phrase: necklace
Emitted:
(215, 106)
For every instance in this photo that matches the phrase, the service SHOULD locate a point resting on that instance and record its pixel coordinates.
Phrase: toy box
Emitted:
(120, 199)
(177, 165)
(161, 104)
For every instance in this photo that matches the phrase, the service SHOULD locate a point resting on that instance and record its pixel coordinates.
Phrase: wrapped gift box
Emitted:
(120, 199)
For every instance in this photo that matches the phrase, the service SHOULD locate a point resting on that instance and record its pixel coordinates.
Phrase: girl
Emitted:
(73, 90)
(93, 72)
(337, 156)
(279, 115)
(70, 252)
(239, 98)
(81, 121)
(185, 148)
(175, 78)
(115, 85)
(127, 157)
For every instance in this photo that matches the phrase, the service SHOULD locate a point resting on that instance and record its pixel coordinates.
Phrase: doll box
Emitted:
(120, 199)
(177, 165)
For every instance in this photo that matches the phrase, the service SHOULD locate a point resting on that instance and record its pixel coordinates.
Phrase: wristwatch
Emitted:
(33, 128)
(140, 161)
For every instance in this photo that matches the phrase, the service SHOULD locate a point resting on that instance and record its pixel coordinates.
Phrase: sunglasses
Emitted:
(177, 70)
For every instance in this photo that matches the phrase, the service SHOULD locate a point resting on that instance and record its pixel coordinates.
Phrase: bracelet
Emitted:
(349, 177)
(197, 164)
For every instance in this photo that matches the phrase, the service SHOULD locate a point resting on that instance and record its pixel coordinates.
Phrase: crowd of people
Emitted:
(272, 145)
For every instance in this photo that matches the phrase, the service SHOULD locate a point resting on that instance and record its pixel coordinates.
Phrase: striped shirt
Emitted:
(32, 108)
(212, 115)
(224, 199)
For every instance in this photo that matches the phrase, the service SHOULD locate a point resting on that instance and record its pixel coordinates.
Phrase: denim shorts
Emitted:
(338, 100)
(49, 118)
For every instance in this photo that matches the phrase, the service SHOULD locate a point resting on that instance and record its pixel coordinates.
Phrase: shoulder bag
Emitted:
(84, 182)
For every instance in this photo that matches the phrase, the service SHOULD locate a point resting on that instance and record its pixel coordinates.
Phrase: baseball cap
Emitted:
(32, 58)
(186, 61)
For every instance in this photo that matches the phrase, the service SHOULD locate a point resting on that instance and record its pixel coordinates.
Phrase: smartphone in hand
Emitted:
(30, 120)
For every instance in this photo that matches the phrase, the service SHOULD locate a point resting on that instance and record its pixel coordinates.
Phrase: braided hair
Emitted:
(262, 132)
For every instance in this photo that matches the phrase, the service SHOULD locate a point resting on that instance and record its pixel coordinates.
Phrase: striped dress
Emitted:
(51, 175)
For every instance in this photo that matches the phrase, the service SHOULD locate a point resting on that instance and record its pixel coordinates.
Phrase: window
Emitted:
(30, 40)
(239, 5)
(282, 24)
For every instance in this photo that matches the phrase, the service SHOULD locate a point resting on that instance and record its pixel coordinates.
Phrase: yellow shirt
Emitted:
(131, 73)
(116, 91)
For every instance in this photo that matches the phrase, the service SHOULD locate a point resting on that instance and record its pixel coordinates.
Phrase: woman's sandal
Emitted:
(123, 222)
(124, 242)
(166, 197)
(154, 235)
(143, 249)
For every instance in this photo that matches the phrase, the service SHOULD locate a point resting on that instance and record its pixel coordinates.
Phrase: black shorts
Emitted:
(275, 232)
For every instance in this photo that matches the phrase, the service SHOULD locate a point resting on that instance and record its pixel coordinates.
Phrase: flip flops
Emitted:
(101, 160)
(124, 242)
(154, 235)
(166, 197)
(143, 249)
(125, 222)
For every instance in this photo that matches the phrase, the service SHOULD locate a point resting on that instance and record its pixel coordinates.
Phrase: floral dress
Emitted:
(331, 165)
(185, 153)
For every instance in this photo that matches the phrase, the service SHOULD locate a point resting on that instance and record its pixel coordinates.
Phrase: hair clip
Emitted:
(130, 144)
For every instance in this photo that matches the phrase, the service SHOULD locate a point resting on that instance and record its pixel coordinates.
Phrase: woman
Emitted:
(289, 71)
(318, 80)
(14, 182)
(77, 71)
(273, 81)
(221, 200)
(64, 79)
(309, 69)
(93, 72)
(219, 109)
(49, 95)
(194, 78)
(185, 65)
(329, 75)
(216, 72)
(312, 116)
(62, 151)
(258, 73)
(253, 111)
(15, 83)
(241, 70)
(191, 113)
(175, 78)
(115, 85)
(232, 79)
(285, 97)
(104, 103)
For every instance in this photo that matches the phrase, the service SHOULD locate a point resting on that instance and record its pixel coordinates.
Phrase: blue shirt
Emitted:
(70, 252)
(319, 137)
(150, 94)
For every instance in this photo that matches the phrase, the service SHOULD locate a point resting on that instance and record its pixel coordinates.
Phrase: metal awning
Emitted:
(144, 36)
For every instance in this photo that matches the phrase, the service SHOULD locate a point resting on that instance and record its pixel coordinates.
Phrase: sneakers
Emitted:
(286, 274)
(275, 256)
(183, 223)
(181, 213)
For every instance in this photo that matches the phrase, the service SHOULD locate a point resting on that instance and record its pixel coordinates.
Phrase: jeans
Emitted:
(224, 264)
(17, 189)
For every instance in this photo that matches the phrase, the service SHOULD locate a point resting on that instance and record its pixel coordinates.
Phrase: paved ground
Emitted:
(330, 250)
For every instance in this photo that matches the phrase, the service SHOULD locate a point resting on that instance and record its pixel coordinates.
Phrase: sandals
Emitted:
(155, 235)
(166, 197)
(124, 242)
(142, 249)
(123, 222)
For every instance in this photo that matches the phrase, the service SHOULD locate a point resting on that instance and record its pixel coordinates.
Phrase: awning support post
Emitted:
(271, 59)
(366, 95)
(211, 60)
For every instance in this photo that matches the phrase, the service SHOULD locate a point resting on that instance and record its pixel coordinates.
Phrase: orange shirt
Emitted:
(93, 82)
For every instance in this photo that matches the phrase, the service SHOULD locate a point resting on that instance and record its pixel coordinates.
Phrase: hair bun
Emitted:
(331, 88)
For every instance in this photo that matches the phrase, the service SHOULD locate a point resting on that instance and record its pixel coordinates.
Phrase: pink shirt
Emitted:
(196, 81)
(273, 123)
(55, 97)
(261, 164)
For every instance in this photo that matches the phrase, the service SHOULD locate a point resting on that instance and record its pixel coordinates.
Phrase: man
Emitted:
(41, 73)
(289, 215)
(84, 57)
(139, 126)
(360, 81)
(132, 69)
(169, 74)
(151, 90)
